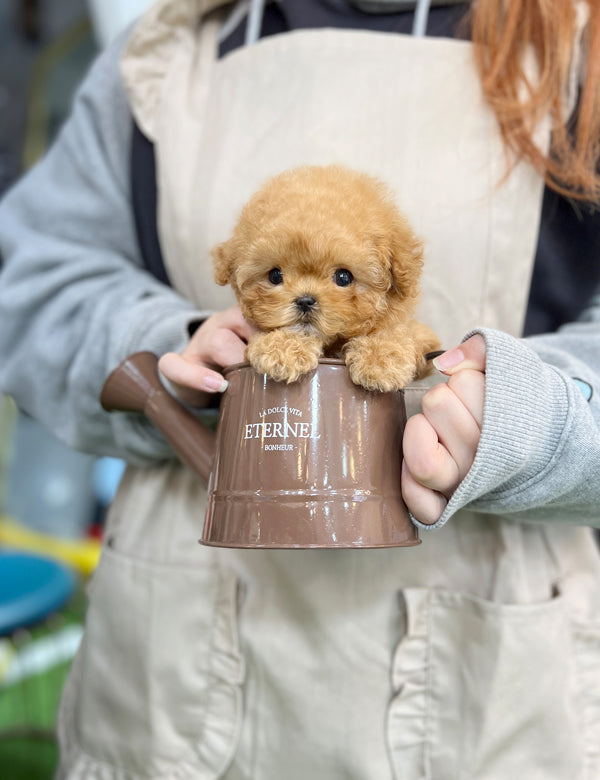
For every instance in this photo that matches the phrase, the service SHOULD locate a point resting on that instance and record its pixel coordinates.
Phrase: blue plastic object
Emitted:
(31, 588)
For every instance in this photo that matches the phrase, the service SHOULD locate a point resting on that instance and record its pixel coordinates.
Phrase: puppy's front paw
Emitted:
(381, 365)
(425, 341)
(284, 355)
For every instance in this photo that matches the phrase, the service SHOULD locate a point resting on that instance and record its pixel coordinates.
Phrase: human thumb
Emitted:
(471, 354)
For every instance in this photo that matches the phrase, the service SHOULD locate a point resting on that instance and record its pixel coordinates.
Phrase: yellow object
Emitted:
(82, 554)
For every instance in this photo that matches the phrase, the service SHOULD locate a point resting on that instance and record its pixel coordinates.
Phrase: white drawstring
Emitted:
(421, 16)
(254, 23)
(235, 18)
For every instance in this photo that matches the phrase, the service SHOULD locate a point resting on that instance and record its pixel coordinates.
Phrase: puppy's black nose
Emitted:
(305, 302)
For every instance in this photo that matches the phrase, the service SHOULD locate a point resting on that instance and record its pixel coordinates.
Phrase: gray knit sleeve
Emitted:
(538, 458)
(74, 298)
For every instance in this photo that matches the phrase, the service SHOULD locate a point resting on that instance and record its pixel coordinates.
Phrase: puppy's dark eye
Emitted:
(342, 277)
(275, 276)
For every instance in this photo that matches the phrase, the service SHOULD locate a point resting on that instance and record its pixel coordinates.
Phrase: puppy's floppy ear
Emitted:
(406, 259)
(223, 262)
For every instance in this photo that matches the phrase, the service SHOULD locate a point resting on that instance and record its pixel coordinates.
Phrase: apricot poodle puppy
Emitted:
(324, 265)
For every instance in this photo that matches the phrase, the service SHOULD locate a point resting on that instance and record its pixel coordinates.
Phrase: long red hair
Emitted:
(502, 32)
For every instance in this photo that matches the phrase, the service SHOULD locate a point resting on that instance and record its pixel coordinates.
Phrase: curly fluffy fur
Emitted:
(288, 262)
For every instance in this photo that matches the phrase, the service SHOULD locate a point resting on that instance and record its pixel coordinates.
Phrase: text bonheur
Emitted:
(280, 430)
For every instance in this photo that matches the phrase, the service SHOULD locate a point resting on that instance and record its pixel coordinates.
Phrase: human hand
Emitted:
(219, 342)
(439, 445)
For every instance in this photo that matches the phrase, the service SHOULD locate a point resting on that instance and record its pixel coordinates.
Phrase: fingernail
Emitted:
(214, 383)
(449, 359)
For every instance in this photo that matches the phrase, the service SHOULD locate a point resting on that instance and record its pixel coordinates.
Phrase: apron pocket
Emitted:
(487, 691)
(157, 682)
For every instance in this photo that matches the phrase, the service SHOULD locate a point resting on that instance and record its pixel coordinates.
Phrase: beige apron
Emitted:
(475, 655)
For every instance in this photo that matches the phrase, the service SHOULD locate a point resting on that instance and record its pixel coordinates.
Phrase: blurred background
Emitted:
(52, 500)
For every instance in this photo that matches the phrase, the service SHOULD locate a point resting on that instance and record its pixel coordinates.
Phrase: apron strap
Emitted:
(144, 202)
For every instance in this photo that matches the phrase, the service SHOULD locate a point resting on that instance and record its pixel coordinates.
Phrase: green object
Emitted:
(29, 699)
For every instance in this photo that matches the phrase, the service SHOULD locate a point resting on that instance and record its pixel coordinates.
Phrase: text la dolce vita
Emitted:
(280, 430)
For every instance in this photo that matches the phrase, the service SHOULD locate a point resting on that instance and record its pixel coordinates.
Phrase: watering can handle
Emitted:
(135, 386)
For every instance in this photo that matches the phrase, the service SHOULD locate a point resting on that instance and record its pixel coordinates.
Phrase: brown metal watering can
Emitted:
(313, 463)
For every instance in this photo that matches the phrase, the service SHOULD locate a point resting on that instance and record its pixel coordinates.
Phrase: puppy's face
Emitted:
(320, 285)
(320, 250)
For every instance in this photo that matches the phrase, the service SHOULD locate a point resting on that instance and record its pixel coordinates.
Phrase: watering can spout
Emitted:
(135, 386)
